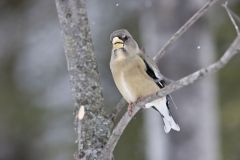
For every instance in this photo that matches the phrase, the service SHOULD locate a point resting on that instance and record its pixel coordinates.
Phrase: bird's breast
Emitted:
(133, 82)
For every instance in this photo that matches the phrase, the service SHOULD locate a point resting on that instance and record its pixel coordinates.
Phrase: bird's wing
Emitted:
(153, 71)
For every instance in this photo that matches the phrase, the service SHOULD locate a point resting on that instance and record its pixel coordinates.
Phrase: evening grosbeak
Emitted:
(137, 76)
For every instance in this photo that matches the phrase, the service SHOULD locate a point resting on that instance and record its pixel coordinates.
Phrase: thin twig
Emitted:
(230, 15)
(237, 18)
(184, 28)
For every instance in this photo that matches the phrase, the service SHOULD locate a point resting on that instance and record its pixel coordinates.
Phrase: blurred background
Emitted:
(36, 106)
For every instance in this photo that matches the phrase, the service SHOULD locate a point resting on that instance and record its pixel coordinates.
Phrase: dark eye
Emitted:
(124, 37)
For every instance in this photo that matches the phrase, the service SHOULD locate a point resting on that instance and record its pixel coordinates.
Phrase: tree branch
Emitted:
(184, 28)
(230, 13)
(231, 51)
(122, 124)
(118, 109)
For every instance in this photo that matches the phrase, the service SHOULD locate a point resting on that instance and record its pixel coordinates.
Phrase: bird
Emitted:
(136, 76)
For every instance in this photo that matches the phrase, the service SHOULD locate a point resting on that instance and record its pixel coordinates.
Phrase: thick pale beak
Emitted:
(117, 43)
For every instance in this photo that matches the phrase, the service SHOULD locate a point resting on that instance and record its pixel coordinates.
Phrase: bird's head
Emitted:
(122, 40)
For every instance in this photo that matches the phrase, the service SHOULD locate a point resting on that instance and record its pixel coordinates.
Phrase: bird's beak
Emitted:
(117, 43)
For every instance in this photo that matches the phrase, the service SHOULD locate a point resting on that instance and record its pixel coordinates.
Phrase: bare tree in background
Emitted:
(96, 136)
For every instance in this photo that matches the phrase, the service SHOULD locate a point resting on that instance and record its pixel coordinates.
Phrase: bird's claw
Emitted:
(130, 109)
(131, 105)
(139, 99)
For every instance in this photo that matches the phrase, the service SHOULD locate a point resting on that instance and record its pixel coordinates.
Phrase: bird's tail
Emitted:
(169, 124)
(161, 105)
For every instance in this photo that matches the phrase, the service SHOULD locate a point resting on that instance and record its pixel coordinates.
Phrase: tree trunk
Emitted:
(94, 129)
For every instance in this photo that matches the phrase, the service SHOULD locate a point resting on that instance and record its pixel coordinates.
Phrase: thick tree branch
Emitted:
(184, 28)
(93, 128)
(118, 130)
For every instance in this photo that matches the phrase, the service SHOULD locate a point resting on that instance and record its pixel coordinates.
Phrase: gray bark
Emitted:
(196, 104)
(94, 129)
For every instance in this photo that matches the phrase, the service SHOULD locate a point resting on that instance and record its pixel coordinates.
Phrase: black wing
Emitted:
(150, 72)
(153, 71)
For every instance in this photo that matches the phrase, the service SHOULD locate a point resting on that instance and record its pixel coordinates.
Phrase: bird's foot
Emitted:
(139, 99)
(131, 104)
(130, 108)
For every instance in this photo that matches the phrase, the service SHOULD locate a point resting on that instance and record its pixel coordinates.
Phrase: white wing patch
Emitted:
(157, 102)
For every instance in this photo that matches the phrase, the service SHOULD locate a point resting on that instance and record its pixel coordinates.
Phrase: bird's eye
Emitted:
(124, 37)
